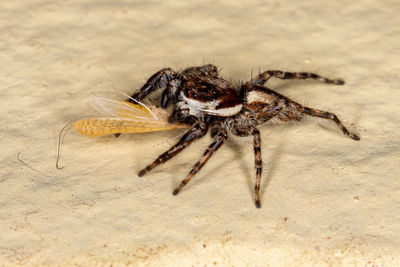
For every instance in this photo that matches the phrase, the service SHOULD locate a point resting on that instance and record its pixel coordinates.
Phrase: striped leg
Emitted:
(330, 116)
(198, 131)
(258, 165)
(209, 70)
(219, 140)
(164, 79)
(264, 76)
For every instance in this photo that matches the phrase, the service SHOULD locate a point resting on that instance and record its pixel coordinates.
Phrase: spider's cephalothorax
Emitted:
(206, 101)
(172, 82)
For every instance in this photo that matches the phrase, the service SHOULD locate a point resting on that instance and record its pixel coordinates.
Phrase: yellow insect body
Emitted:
(124, 117)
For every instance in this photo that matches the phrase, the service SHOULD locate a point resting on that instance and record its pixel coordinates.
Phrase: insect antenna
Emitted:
(59, 143)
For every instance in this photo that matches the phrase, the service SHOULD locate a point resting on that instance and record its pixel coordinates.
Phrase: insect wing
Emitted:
(124, 117)
(120, 109)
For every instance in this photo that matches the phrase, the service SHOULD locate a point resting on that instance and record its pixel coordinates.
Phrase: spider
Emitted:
(205, 101)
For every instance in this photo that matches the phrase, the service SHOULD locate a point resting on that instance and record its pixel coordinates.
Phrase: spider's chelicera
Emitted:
(205, 101)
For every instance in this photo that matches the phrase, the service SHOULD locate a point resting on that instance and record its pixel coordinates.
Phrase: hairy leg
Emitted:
(198, 131)
(266, 75)
(258, 165)
(165, 79)
(209, 70)
(219, 140)
(330, 116)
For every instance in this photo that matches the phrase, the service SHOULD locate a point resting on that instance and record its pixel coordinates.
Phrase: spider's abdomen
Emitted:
(266, 104)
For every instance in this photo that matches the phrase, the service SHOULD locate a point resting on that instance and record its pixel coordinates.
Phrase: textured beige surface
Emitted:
(327, 200)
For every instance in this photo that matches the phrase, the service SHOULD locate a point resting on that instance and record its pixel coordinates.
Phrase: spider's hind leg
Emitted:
(266, 75)
(330, 116)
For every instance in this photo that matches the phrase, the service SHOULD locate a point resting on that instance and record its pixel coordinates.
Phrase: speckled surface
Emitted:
(327, 200)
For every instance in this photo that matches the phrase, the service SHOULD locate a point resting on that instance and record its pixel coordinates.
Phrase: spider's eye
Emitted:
(194, 95)
(214, 93)
(187, 92)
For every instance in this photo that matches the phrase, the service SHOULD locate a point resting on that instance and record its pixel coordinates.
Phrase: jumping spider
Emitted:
(205, 101)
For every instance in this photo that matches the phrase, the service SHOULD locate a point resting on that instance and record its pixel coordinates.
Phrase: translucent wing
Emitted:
(120, 109)
(124, 117)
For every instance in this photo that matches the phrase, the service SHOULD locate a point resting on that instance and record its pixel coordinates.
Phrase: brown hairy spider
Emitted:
(206, 101)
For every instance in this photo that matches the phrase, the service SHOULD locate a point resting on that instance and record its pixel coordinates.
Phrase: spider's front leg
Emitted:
(198, 131)
(165, 79)
(266, 75)
(220, 135)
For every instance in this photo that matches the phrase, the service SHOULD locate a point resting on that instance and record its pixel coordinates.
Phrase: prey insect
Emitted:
(121, 117)
(124, 117)
(205, 102)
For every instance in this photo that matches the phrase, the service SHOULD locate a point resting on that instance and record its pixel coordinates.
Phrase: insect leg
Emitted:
(258, 165)
(199, 130)
(329, 116)
(219, 140)
(266, 75)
